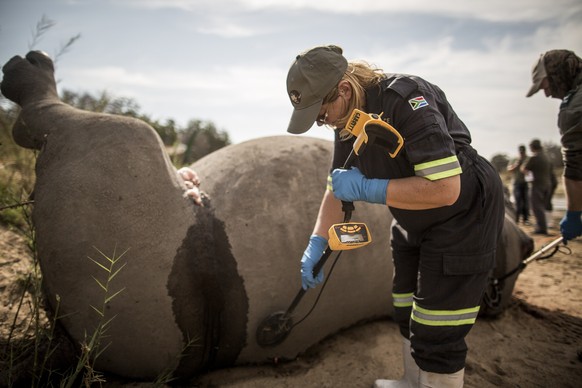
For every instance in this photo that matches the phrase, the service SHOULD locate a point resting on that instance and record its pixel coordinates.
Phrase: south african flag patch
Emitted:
(417, 102)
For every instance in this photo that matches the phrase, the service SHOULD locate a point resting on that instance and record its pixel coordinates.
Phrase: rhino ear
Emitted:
(40, 59)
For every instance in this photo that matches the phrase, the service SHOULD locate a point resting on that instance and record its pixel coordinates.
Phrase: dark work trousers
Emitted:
(521, 197)
(539, 198)
(441, 272)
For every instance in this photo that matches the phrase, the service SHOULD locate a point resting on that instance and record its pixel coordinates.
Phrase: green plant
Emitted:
(35, 346)
(92, 346)
(16, 173)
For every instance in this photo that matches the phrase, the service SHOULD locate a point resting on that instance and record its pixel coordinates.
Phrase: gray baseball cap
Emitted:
(538, 73)
(312, 75)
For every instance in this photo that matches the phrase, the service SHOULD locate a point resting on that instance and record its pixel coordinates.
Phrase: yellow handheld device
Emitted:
(348, 235)
(371, 129)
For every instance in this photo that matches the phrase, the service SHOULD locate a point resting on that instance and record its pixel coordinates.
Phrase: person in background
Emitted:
(541, 168)
(549, 205)
(447, 203)
(520, 186)
(559, 74)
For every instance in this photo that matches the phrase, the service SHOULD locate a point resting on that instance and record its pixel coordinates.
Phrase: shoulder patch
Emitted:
(402, 85)
(417, 102)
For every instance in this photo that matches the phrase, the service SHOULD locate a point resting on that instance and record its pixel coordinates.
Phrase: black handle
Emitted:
(316, 269)
(321, 261)
(347, 208)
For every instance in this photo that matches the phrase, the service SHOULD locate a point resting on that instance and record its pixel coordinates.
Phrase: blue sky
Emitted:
(226, 61)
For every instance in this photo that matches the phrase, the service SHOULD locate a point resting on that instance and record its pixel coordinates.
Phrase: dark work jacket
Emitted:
(570, 124)
(432, 133)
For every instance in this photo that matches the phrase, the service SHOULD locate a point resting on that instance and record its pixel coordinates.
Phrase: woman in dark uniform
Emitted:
(446, 200)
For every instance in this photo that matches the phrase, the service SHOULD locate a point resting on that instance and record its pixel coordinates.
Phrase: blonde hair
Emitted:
(361, 76)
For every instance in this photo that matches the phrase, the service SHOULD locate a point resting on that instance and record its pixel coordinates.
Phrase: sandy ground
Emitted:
(536, 342)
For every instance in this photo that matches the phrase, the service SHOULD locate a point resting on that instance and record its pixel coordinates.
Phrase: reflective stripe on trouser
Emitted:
(443, 313)
(444, 317)
(402, 303)
(402, 300)
(437, 324)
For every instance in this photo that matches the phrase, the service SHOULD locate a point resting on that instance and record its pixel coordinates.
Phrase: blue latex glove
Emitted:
(571, 225)
(311, 256)
(351, 185)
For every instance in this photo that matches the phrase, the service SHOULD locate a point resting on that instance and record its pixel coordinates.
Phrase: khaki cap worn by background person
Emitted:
(313, 74)
(538, 73)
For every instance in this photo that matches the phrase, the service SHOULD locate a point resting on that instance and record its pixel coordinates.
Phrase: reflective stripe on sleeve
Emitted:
(444, 317)
(402, 300)
(439, 169)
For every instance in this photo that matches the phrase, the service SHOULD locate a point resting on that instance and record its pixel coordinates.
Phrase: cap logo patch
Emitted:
(295, 97)
(417, 102)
